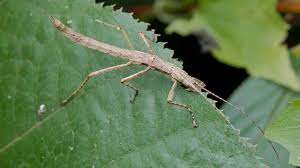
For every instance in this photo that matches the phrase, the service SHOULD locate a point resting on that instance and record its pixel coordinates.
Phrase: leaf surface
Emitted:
(286, 131)
(263, 101)
(99, 128)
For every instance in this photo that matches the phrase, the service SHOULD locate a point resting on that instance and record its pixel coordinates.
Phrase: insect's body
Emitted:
(137, 57)
(171, 70)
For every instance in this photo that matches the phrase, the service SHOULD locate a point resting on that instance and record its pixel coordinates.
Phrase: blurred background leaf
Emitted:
(286, 131)
(248, 34)
(263, 101)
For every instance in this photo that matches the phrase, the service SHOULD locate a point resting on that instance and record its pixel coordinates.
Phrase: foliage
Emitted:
(100, 128)
(263, 101)
(249, 35)
(169, 10)
(286, 131)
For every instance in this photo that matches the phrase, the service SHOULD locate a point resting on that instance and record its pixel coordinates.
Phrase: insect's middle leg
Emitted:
(131, 77)
(171, 101)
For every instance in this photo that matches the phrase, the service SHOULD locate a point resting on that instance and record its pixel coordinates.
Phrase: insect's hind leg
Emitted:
(90, 76)
(119, 28)
(171, 101)
(131, 77)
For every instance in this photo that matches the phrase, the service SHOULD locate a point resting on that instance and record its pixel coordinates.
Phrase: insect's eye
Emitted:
(195, 84)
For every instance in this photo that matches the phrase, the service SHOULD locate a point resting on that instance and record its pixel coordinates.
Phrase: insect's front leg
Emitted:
(171, 101)
(90, 76)
(119, 28)
(147, 43)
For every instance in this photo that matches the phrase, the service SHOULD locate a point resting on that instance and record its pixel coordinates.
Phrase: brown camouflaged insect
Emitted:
(150, 60)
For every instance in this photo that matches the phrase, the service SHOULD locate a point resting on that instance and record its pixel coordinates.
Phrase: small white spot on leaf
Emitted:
(71, 148)
(42, 109)
(69, 22)
(9, 97)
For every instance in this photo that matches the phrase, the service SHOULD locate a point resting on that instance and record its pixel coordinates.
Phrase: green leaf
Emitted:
(169, 10)
(286, 131)
(99, 128)
(249, 34)
(264, 102)
(295, 50)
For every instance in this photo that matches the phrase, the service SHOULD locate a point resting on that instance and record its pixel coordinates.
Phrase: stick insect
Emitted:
(150, 60)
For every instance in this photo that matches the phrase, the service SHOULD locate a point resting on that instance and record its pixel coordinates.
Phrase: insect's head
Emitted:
(57, 24)
(198, 85)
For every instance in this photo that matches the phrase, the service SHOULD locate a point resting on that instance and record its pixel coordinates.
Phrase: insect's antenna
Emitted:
(45, 13)
(244, 113)
(52, 18)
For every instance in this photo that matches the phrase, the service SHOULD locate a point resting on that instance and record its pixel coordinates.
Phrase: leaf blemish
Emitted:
(42, 109)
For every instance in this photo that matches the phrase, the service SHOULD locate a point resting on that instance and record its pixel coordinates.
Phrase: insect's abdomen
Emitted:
(176, 73)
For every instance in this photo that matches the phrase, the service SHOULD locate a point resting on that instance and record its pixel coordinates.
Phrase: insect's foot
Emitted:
(132, 99)
(195, 124)
(193, 120)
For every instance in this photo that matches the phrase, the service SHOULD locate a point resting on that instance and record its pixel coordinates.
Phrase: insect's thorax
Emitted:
(170, 69)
